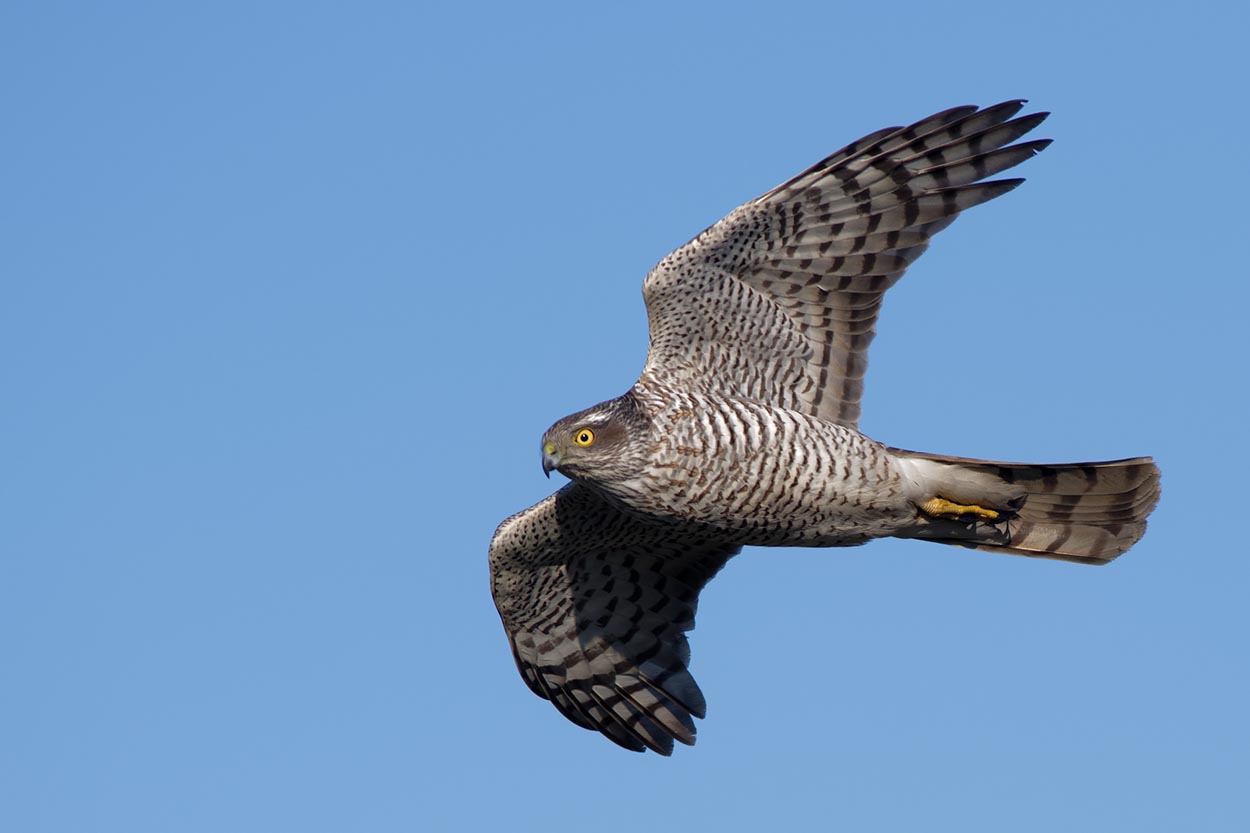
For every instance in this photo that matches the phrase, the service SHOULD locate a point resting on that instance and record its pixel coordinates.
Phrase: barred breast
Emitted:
(776, 477)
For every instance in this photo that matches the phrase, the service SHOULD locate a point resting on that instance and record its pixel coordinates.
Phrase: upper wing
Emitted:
(778, 301)
(596, 605)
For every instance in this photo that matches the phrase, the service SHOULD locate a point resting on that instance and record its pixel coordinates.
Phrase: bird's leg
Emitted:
(943, 508)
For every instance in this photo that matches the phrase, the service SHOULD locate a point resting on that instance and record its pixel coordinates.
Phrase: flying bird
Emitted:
(742, 431)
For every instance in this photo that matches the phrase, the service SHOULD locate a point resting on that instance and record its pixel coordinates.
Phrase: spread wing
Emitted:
(779, 301)
(596, 605)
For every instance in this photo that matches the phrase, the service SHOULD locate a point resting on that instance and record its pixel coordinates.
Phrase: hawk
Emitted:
(741, 430)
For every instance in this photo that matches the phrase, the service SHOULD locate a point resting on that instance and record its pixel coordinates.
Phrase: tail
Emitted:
(1084, 512)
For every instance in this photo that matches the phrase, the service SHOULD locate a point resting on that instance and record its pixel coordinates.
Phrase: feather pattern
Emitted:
(1089, 513)
(779, 300)
(597, 604)
(742, 430)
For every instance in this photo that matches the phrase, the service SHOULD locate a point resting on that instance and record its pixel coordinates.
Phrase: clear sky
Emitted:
(289, 292)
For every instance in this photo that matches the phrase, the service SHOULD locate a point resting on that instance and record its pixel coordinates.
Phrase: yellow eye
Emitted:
(584, 437)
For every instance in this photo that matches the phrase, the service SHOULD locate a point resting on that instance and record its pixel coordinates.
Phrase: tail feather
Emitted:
(1084, 512)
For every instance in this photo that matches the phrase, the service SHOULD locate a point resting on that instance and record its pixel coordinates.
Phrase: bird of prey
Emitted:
(742, 430)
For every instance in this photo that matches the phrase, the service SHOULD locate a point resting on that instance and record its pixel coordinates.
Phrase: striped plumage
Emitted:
(767, 476)
(742, 430)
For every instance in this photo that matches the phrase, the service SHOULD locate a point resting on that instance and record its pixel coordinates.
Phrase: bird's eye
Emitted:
(584, 437)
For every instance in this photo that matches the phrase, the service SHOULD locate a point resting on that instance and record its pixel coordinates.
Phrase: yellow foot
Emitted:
(944, 508)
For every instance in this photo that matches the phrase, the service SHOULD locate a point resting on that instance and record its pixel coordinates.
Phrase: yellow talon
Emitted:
(943, 507)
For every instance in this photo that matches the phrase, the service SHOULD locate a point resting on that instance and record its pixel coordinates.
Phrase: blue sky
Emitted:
(289, 292)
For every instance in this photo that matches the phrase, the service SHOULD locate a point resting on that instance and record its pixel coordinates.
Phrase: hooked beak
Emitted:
(551, 460)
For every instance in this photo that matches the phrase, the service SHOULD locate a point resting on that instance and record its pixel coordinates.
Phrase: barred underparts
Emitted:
(743, 431)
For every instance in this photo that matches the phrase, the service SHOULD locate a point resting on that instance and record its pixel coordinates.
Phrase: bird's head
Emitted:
(594, 442)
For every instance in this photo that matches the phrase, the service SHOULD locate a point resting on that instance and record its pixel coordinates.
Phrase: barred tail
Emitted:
(1084, 512)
